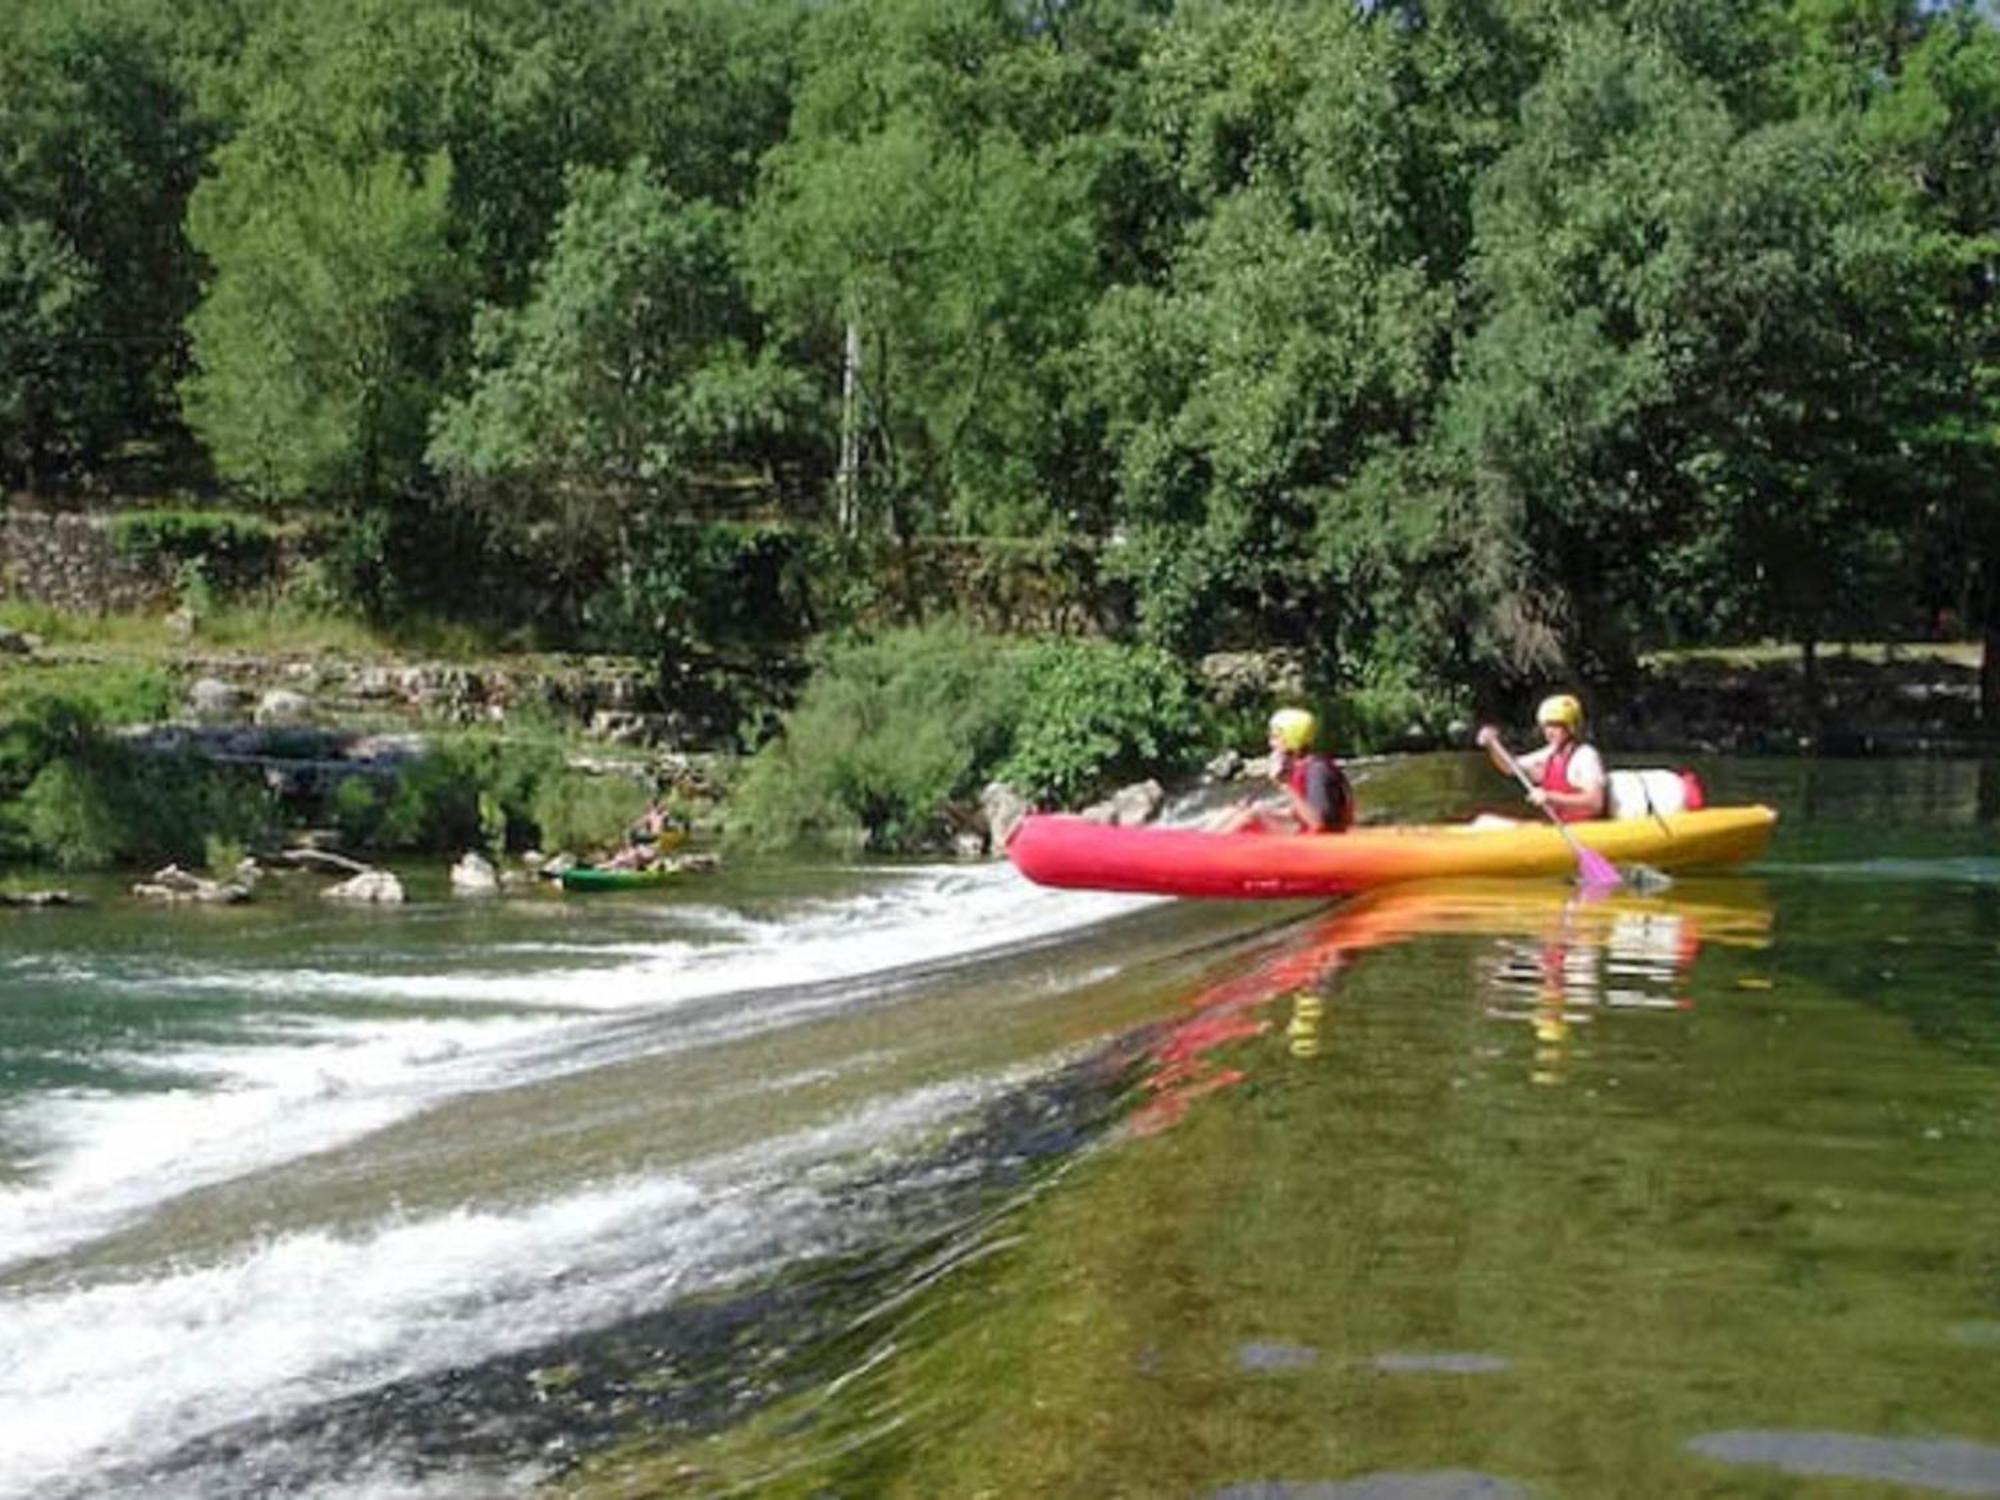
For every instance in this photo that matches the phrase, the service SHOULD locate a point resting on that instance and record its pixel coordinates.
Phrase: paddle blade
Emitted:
(1594, 870)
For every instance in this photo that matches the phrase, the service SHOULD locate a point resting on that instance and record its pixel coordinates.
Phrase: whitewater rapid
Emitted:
(105, 1369)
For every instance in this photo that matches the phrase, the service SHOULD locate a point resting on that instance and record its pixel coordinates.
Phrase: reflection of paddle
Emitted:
(1592, 868)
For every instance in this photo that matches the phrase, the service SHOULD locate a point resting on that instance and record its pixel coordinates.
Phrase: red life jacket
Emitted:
(1555, 778)
(1340, 796)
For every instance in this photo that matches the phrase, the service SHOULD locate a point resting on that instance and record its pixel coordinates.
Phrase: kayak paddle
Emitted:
(1592, 868)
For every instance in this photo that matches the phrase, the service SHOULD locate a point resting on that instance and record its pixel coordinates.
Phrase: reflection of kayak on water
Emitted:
(1062, 850)
(1645, 943)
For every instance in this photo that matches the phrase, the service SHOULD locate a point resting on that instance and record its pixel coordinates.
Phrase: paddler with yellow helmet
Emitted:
(1318, 798)
(1567, 772)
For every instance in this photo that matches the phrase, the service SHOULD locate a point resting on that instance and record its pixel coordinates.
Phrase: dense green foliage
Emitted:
(889, 734)
(1451, 343)
(894, 737)
(470, 791)
(74, 794)
(1093, 714)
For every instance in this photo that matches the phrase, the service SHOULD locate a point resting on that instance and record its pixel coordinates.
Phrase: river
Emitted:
(920, 1180)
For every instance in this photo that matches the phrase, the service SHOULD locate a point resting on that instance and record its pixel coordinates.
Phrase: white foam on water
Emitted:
(300, 1084)
(101, 1158)
(921, 916)
(120, 1375)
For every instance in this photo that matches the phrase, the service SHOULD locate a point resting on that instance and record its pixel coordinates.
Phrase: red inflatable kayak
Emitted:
(1062, 850)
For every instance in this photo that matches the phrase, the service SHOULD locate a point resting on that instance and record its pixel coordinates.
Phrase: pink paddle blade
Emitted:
(1593, 869)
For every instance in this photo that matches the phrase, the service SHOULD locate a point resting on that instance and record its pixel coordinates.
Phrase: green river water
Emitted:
(924, 1182)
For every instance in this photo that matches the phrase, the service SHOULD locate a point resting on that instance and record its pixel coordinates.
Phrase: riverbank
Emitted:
(1860, 699)
(153, 755)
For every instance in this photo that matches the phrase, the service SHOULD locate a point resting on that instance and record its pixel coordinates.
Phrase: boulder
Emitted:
(474, 875)
(36, 898)
(378, 887)
(1129, 806)
(212, 699)
(1248, 678)
(175, 884)
(1225, 767)
(1004, 808)
(282, 706)
(17, 642)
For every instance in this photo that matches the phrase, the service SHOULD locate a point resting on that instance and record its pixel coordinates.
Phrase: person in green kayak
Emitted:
(645, 841)
(1567, 772)
(1317, 795)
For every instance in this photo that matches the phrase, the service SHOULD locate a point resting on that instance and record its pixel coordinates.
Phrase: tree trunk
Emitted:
(847, 482)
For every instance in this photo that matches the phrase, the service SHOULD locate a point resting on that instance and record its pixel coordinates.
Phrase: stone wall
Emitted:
(73, 561)
(69, 560)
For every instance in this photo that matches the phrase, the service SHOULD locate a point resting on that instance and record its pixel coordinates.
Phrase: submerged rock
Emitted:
(37, 898)
(175, 884)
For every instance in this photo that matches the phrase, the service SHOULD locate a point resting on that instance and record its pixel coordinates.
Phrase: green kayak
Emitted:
(582, 879)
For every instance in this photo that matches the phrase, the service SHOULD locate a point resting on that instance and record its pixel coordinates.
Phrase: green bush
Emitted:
(574, 810)
(1097, 714)
(108, 694)
(888, 734)
(110, 806)
(471, 791)
(72, 793)
(1387, 715)
(892, 737)
(214, 549)
(479, 790)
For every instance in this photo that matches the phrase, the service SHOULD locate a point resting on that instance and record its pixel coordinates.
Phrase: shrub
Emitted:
(216, 548)
(1387, 715)
(892, 736)
(575, 810)
(106, 695)
(1095, 714)
(887, 735)
(482, 790)
(108, 806)
(471, 790)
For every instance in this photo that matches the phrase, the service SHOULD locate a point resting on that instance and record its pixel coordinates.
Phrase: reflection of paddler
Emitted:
(1303, 1030)
(1306, 961)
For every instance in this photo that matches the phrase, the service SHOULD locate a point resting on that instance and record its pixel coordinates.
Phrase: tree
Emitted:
(103, 147)
(1681, 372)
(1295, 343)
(316, 343)
(927, 204)
(1935, 125)
(633, 368)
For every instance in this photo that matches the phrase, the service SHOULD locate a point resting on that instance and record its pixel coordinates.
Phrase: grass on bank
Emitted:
(279, 629)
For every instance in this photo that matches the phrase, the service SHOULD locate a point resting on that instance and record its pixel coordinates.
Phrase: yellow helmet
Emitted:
(1561, 709)
(1293, 729)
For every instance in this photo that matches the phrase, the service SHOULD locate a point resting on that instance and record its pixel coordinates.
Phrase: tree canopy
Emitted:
(1446, 342)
